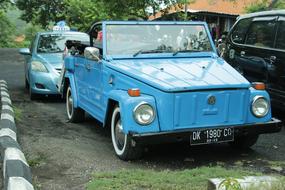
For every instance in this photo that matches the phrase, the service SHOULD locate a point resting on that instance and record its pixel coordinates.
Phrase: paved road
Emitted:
(64, 155)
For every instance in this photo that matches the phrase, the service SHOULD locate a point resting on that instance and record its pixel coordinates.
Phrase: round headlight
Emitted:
(260, 106)
(144, 114)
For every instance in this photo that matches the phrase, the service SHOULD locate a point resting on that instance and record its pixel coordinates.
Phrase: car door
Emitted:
(256, 57)
(93, 76)
(276, 87)
(81, 80)
(90, 74)
(278, 57)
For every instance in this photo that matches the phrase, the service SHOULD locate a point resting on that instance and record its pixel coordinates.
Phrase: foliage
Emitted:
(14, 15)
(194, 179)
(81, 13)
(230, 184)
(6, 29)
(31, 30)
(18, 113)
(4, 4)
(41, 11)
(264, 5)
(12, 28)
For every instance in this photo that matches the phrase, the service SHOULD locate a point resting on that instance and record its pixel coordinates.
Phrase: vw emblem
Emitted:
(212, 100)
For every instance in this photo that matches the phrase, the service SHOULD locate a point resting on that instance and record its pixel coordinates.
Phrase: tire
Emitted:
(125, 148)
(244, 142)
(33, 96)
(74, 115)
(26, 83)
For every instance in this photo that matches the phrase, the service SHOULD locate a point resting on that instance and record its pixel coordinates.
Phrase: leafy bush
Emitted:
(6, 29)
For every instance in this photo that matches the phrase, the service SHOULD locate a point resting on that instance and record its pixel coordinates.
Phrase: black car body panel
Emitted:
(256, 47)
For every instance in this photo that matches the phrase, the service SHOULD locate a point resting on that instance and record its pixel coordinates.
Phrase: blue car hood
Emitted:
(54, 59)
(182, 74)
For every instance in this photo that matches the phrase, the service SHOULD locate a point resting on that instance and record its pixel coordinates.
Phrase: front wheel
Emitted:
(244, 142)
(125, 148)
(74, 115)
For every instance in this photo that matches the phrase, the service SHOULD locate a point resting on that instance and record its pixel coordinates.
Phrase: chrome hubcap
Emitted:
(69, 104)
(119, 135)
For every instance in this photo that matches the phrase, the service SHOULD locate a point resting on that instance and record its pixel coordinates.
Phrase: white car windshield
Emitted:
(136, 39)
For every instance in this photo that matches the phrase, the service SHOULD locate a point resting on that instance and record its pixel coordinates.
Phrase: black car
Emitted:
(256, 48)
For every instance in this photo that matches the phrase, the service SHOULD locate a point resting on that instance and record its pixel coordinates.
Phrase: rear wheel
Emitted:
(125, 148)
(244, 142)
(26, 83)
(74, 115)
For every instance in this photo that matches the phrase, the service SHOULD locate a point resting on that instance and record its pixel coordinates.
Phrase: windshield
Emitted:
(136, 39)
(55, 43)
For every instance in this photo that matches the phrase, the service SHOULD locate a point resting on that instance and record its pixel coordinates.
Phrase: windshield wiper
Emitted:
(142, 51)
(184, 51)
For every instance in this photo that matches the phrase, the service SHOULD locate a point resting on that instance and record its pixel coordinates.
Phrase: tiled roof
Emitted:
(229, 7)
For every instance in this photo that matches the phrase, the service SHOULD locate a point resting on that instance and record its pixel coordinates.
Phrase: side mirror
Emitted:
(92, 53)
(25, 51)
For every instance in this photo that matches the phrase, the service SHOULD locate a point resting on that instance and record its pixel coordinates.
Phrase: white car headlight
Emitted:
(144, 114)
(260, 106)
(38, 67)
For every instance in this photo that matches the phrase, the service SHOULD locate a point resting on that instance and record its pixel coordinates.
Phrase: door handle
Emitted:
(88, 66)
(242, 53)
(272, 59)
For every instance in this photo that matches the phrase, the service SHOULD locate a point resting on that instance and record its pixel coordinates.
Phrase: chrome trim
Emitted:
(254, 100)
(134, 113)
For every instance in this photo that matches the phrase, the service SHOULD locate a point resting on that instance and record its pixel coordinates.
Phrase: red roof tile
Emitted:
(214, 6)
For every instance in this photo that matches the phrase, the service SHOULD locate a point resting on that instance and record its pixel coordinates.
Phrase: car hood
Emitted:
(182, 74)
(54, 59)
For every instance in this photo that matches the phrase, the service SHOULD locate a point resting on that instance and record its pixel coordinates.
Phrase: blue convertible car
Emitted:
(155, 82)
(43, 60)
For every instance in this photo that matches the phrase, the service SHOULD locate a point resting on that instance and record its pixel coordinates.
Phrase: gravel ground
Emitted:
(64, 155)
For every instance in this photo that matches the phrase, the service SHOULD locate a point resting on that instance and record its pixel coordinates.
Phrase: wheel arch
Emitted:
(110, 107)
(71, 83)
(127, 105)
(65, 86)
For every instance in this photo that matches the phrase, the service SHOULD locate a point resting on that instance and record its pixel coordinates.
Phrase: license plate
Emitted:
(209, 136)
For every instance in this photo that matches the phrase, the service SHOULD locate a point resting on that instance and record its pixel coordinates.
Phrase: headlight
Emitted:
(260, 106)
(38, 67)
(144, 114)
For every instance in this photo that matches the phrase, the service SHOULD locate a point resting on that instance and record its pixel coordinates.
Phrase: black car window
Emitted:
(261, 34)
(239, 31)
(280, 42)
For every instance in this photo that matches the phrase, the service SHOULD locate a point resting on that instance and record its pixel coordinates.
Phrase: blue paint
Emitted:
(177, 86)
(52, 61)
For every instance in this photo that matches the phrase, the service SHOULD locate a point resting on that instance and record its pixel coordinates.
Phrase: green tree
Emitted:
(6, 29)
(265, 5)
(81, 14)
(4, 4)
(41, 11)
(30, 31)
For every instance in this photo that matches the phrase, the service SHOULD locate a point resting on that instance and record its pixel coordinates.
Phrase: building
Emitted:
(219, 14)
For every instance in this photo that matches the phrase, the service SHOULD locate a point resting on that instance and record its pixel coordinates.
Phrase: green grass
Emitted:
(18, 113)
(195, 179)
(36, 160)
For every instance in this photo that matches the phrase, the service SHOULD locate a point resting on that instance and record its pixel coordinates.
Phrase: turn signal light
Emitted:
(134, 92)
(258, 85)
